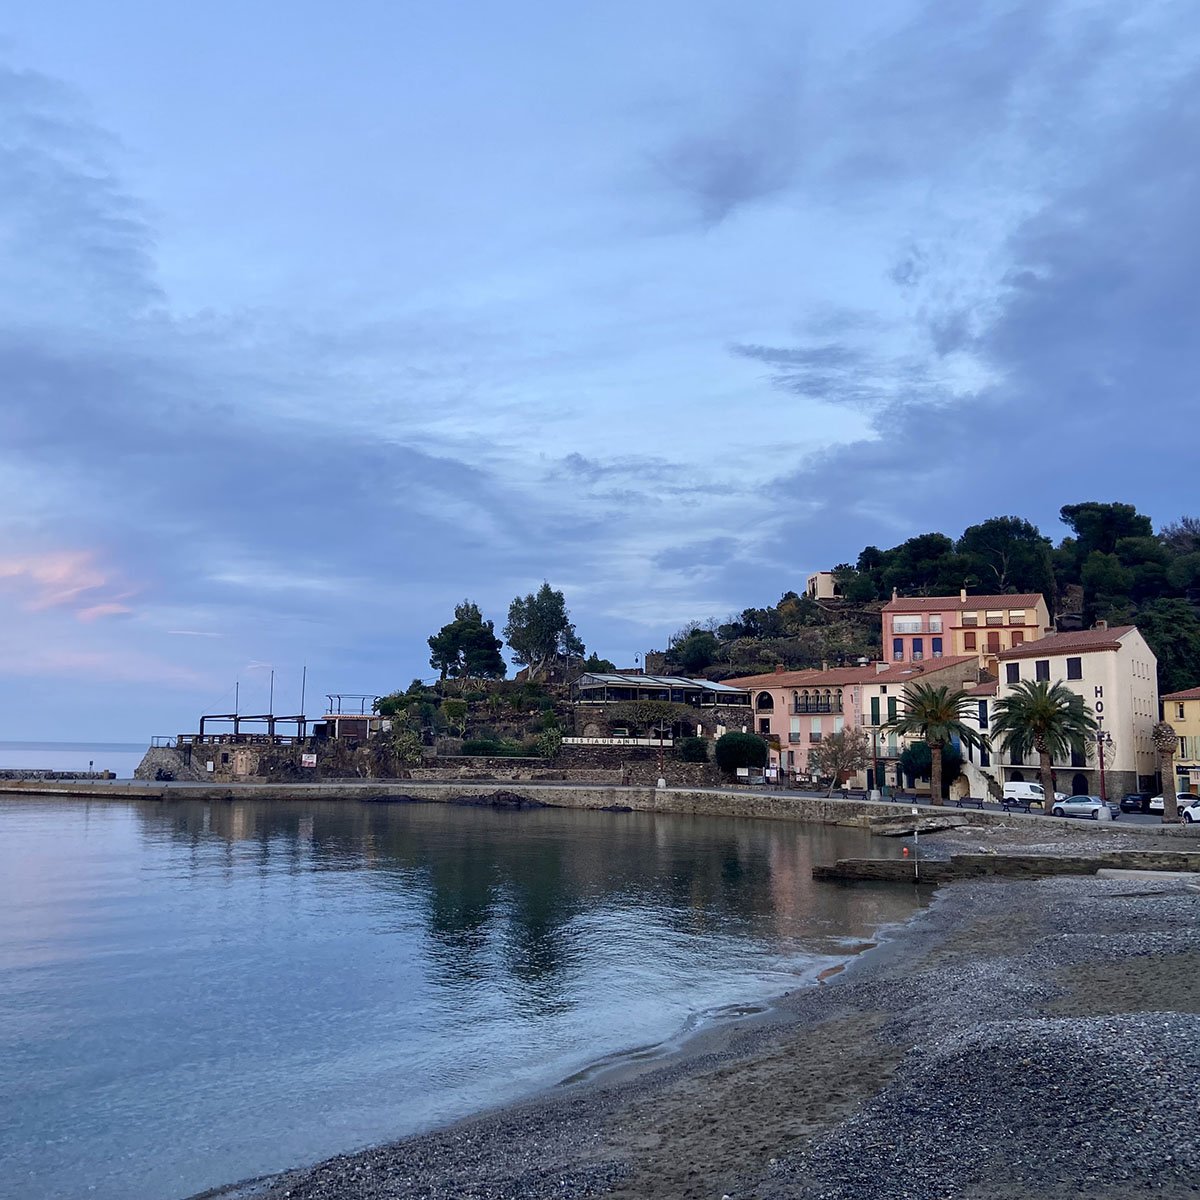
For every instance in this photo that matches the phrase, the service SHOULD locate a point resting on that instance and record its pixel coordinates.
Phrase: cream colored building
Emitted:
(1116, 673)
(1182, 710)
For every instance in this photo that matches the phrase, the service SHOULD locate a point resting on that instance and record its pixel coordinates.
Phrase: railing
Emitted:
(816, 706)
(814, 737)
(161, 740)
(237, 739)
(795, 737)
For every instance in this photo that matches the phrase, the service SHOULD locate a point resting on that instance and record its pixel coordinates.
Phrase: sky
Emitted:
(316, 319)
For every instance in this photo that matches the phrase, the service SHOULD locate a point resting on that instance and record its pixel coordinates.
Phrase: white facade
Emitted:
(1116, 674)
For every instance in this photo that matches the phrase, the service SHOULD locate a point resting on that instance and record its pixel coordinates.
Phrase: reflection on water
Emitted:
(194, 993)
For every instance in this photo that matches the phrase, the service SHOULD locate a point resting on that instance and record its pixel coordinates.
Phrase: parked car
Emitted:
(1136, 802)
(1156, 802)
(1084, 806)
(1023, 790)
(1191, 812)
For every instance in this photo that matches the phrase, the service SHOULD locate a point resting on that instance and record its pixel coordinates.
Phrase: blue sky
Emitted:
(315, 319)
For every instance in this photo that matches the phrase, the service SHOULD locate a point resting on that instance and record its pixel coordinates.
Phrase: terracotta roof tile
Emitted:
(844, 676)
(1186, 694)
(942, 603)
(1064, 643)
(982, 689)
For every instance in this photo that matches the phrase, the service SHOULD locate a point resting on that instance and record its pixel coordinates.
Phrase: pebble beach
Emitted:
(1019, 1038)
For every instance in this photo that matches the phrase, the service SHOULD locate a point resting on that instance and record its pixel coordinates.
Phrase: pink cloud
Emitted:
(111, 609)
(70, 579)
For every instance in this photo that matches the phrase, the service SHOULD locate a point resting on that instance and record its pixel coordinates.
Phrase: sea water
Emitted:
(193, 993)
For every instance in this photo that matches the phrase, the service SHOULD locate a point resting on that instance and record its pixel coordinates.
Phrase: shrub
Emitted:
(549, 743)
(492, 748)
(735, 750)
(693, 749)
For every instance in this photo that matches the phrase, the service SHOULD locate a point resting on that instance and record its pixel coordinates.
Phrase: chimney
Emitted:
(962, 595)
(895, 594)
(880, 666)
(1101, 624)
(779, 668)
(824, 664)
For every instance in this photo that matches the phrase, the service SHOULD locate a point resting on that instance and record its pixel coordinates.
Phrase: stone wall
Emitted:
(16, 774)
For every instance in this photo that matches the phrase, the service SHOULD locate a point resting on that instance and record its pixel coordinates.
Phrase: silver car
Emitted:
(1083, 806)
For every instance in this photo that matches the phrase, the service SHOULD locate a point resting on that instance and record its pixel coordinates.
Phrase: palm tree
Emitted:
(937, 716)
(1166, 743)
(1047, 718)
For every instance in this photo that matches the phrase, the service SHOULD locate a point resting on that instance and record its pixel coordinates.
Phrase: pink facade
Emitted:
(796, 710)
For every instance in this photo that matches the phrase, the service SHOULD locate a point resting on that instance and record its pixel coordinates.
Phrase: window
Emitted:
(969, 641)
(883, 689)
(937, 647)
(993, 642)
(1012, 672)
(1074, 668)
(906, 624)
(1017, 760)
(918, 649)
(891, 708)
(1041, 670)
(224, 758)
(970, 618)
(1016, 616)
(874, 710)
(1018, 637)
(1179, 712)
(935, 624)
(764, 725)
(983, 716)
(985, 759)
(1078, 758)
(995, 617)
(898, 649)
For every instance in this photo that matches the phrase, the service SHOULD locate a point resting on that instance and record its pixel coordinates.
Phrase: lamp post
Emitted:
(1104, 742)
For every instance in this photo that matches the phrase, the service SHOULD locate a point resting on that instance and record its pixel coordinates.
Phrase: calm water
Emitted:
(121, 758)
(191, 994)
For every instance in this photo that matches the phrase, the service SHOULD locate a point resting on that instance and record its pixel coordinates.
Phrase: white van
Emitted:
(1028, 792)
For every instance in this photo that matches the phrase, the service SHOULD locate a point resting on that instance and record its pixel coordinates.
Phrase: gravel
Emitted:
(1020, 1038)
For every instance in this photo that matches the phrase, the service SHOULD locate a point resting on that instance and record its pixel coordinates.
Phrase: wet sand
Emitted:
(1019, 1038)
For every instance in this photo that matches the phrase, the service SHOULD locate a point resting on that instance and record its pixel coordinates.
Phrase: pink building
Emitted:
(796, 710)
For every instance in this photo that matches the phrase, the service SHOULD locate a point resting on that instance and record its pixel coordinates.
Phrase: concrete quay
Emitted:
(767, 803)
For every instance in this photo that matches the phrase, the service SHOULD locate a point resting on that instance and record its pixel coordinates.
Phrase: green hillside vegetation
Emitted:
(1112, 566)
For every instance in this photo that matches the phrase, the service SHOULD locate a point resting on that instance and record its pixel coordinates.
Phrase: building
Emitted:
(797, 710)
(600, 702)
(918, 628)
(1116, 673)
(822, 586)
(1182, 710)
(880, 700)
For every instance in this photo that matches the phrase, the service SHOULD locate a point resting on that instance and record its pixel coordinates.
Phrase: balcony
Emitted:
(814, 707)
(814, 737)
(795, 737)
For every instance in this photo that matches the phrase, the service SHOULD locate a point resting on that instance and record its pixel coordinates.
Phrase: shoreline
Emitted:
(940, 1063)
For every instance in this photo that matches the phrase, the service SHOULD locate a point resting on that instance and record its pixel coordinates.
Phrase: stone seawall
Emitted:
(1010, 865)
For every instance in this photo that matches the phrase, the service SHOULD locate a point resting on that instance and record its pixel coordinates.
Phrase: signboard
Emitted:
(615, 741)
(743, 772)
(308, 760)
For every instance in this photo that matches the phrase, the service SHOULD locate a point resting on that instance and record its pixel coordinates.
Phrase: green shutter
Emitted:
(874, 710)
(891, 708)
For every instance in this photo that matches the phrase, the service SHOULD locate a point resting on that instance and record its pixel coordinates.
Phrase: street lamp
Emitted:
(1104, 744)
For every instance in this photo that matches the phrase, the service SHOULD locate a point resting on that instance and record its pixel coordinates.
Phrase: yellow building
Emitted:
(1182, 710)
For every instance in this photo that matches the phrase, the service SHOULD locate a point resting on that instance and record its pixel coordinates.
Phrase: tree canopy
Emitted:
(539, 630)
(467, 647)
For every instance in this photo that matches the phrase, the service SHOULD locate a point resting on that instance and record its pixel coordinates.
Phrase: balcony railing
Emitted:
(814, 737)
(814, 707)
(795, 737)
